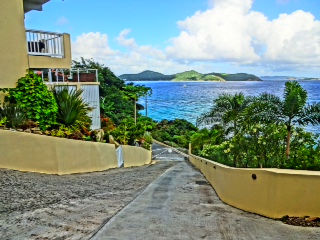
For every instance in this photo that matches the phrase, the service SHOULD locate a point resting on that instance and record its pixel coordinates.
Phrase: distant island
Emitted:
(287, 78)
(188, 76)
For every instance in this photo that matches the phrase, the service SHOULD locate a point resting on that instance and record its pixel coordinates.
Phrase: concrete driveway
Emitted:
(161, 153)
(180, 204)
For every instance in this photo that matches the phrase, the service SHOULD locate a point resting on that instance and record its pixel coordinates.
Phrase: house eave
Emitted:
(30, 5)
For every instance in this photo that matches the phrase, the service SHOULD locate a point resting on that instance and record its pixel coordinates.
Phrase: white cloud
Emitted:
(137, 59)
(92, 45)
(230, 32)
(123, 41)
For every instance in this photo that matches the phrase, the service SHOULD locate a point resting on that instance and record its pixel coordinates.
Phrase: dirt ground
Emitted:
(41, 206)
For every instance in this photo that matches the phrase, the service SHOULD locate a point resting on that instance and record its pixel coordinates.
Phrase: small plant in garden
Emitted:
(29, 124)
(33, 95)
(72, 110)
(146, 141)
(13, 115)
(77, 135)
(3, 121)
(108, 126)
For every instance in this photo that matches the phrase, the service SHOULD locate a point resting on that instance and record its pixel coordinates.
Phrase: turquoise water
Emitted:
(187, 100)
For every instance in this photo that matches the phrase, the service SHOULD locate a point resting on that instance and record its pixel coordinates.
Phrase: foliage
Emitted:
(107, 125)
(147, 76)
(29, 124)
(3, 121)
(116, 99)
(178, 131)
(205, 137)
(290, 111)
(130, 133)
(237, 77)
(33, 95)
(72, 110)
(264, 131)
(195, 76)
(227, 110)
(12, 115)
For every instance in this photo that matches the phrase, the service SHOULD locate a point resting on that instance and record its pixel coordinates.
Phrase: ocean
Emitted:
(188, 100)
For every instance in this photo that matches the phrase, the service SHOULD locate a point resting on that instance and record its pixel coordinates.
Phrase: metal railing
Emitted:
(41, 43)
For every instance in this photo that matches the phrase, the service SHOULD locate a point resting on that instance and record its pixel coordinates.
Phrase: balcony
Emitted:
(69, 76)
(42, 43)
(48, 49)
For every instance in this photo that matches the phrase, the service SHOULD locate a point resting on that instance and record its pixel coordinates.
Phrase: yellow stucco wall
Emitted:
(38, 62)
(135, 156)
(44, 154)
(275, 192)
(13, 50)
(14, 59)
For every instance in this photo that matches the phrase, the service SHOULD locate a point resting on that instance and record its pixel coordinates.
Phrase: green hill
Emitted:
(236, 76)
(188, 76)
(195, 76)
(146, 76)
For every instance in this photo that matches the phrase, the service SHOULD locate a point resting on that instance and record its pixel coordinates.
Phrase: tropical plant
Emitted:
(116, 100)
(134, 92)
(12, 115)
(205, 137)
(130, 133)
(72, 110)
(33, 95)
(226, 110)
(174, 132)
(290, 111)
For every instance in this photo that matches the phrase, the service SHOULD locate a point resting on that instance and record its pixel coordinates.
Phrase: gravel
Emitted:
(41, 206)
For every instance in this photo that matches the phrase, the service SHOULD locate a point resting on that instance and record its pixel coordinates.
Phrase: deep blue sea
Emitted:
(187, 100)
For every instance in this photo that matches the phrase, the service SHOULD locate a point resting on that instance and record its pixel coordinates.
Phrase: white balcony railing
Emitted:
(41, 43)
(68, 75)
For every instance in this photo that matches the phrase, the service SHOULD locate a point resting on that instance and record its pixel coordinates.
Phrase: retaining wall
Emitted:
(135, 156)
(272, 193)
(44, 154)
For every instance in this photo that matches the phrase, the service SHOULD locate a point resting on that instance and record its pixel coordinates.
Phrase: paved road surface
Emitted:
(180, 204)
(162, 153)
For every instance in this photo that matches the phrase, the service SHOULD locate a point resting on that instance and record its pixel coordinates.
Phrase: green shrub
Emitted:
(33, 95)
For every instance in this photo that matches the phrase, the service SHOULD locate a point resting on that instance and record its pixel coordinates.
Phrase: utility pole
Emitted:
(135, 112)
(146, 105)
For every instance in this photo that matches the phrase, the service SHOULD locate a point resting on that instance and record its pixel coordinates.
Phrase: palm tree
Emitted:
(227, 110)
(290, 111)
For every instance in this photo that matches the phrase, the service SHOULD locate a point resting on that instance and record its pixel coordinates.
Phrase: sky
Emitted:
(261, 37)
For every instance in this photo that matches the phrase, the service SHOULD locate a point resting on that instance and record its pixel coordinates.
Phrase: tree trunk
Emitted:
(135, 112)
(288, 142)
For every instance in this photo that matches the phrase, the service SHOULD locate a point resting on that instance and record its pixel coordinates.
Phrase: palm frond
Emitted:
(71, 107)
(309, 115)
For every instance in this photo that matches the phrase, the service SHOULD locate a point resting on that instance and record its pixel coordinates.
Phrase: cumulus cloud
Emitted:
(136, 59)
(231, 32)
(92, 45)
(123, 41)
(228, 32)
